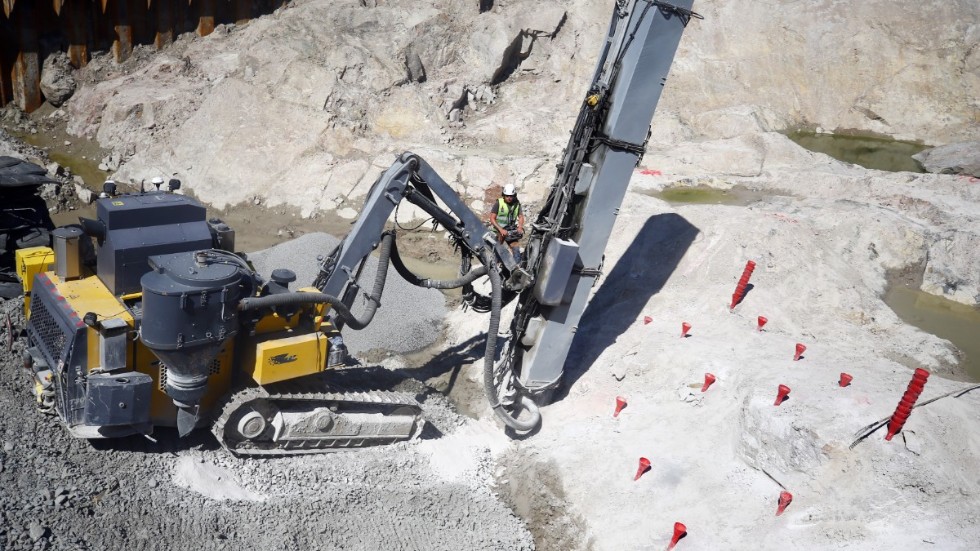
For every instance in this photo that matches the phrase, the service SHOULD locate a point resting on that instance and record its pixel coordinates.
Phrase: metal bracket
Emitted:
(667, 10)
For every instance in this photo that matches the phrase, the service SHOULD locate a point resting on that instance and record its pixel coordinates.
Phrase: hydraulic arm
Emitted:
(412, 179)
(568, 238)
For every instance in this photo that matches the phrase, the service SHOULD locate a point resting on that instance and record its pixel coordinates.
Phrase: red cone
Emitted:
(845, 379)
(762, 321)
(647, 320)
(743, 283)
(679, 532)
(785, 498)
(685, 327)
(782, 394)
(643, 468)
(620, 404)
(708, 380)
(800, 349)
(905, 406)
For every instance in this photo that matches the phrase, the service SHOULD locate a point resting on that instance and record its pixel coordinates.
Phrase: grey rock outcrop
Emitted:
(279, 100)
(954, 158)
(413, 64)
(57, 81)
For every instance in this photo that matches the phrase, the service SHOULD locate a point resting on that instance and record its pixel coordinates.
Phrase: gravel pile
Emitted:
(410, 317)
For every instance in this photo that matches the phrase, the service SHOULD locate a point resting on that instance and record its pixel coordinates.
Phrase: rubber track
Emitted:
(301, 393)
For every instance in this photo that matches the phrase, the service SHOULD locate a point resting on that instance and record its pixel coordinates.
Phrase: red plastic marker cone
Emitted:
(708, 380)
(762, 321)
(647, 320)
(845, 379)
(643, 468)
(905, 406)
(620, 404)
(785, 498)
(679, 532)
(685, 327)
(800, 349)
(743, 283)
(781, 396)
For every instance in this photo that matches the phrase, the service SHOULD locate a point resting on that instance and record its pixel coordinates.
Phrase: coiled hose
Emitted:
(489, 384)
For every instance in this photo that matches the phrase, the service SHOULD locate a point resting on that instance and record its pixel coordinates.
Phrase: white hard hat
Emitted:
(157, 180)
(510, 190)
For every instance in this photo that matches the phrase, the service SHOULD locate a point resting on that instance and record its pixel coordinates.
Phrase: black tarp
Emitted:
(24, 218)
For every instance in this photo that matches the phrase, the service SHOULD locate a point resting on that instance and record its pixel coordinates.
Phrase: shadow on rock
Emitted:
(641, 272)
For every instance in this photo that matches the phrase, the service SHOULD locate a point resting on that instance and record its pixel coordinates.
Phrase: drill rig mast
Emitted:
(567, 240)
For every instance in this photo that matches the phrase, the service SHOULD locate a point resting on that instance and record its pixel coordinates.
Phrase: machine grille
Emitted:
(47, 332)
(213, 369)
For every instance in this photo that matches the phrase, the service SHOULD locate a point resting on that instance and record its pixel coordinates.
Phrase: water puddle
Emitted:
(955, 322)
(88, 169)
(873, 153)
(79, 154)
(433, 269)
(705, 195)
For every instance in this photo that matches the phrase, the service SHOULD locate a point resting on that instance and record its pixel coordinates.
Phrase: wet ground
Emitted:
(955, 322)
(79, 154)
(869, 152)
(704, 195)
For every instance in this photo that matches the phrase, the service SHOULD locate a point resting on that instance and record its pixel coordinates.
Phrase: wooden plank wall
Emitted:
(81, 27)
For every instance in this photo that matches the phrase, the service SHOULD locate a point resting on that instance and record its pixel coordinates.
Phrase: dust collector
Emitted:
(189, 310)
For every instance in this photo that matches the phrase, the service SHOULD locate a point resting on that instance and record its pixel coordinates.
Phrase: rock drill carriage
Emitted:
(167, 326)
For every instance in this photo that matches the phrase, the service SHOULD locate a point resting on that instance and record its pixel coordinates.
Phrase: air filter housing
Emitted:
(190, 308)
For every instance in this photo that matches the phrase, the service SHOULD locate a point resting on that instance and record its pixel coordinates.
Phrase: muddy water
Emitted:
(704, 195)
(81, 155)
(874, 153)
(955, 322)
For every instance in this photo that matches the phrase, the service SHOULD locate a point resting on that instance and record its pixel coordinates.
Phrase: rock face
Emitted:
(956, 158)
(57, 82)
(902, 69)
(279, 102)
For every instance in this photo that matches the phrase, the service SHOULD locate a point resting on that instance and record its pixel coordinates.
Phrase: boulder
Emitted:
(954, 158)
(84, 194)
(57, 82)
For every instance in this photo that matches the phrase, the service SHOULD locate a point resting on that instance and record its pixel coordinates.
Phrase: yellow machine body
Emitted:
(90, 295)
(29, 262)
(288, 357)
(283, 352)
(278, 351)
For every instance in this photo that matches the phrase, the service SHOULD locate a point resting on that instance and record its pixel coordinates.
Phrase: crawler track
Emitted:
(302, 419)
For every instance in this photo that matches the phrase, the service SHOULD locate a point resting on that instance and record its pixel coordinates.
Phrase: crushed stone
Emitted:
(409, 319)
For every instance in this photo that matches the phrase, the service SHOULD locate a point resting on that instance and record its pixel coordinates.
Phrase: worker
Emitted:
(508, 219)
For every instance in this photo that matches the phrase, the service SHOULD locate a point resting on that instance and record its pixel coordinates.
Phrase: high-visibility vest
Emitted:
(507, 215)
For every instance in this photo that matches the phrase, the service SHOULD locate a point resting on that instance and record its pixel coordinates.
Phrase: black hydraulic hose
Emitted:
(409, 276)
(489, 386)
(352, 321)
(299, 299)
